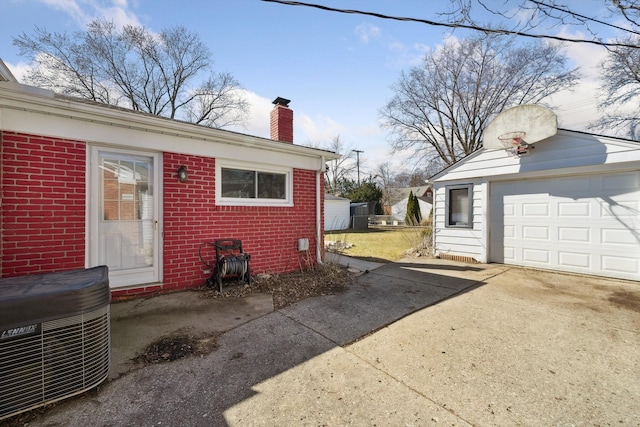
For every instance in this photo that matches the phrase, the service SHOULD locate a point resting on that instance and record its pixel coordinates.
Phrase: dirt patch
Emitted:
(290, 288)
(168, 349)
(628, 300)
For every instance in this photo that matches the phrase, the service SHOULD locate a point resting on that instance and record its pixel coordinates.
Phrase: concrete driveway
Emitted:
(414, 343)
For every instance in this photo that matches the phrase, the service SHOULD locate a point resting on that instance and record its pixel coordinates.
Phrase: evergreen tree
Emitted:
(413, 215)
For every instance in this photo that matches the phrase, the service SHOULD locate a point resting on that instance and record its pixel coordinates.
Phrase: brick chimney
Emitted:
(282, 121)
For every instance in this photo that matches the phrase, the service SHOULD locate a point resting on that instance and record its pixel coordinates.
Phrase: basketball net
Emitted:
(513, 143)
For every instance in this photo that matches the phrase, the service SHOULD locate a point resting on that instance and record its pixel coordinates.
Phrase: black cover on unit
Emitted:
(38, 298)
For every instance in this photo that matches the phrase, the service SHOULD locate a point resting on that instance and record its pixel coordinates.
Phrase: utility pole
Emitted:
(358, 162)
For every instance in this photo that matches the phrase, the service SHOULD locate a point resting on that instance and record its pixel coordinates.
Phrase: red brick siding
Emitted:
(43, 207)
(42, 215)
(269, 234)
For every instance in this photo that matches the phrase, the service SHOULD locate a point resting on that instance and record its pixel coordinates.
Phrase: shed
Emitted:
(336, 213)
(571, 203)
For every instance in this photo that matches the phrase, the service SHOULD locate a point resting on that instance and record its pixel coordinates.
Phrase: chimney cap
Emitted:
(282, 101)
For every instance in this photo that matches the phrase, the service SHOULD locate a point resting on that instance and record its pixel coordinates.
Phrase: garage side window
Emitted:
(459, 204)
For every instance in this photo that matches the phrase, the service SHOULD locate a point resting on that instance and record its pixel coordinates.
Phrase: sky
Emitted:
(337, 69)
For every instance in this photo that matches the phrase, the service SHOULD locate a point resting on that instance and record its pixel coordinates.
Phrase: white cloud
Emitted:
(319, 131)
(577, 108)
(258, 123)
(366, 31)
(584, 55)
(18, 70)
(84, 11)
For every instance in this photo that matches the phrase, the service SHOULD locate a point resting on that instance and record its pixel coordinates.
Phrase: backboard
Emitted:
(535, 122)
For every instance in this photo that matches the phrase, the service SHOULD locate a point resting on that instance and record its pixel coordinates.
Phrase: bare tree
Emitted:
(540, 18)
(441, 108)
(620, 91)
(384, 175)
(339, 170)
(620, 73)
(167, 74)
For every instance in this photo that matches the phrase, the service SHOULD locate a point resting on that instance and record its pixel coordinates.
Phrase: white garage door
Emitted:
(585, 224)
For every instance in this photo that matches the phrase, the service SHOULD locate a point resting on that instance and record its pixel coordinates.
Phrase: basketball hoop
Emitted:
(513, 143)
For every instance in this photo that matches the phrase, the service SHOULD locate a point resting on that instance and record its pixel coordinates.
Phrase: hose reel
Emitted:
(230, 261)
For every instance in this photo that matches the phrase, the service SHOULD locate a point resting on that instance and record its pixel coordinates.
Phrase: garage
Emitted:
(539, 196)
(586, 224)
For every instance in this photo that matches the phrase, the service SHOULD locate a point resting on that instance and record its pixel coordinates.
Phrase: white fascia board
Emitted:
(44, 114)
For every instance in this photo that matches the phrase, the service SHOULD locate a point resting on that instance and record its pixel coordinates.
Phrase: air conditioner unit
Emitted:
(54, 337)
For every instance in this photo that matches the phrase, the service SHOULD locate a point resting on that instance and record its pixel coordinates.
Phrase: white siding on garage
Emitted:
(585, 224)
(466, 242)
(337, 214)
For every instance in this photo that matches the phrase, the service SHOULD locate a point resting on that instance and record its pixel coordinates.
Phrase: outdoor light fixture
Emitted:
(182, 174)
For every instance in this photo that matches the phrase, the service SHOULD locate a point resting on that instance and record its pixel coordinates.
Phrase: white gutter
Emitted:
(319, 226)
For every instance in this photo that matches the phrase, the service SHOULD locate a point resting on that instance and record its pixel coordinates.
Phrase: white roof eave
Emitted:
(27, 98)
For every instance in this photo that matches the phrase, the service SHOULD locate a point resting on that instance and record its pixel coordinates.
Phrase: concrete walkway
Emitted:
(414, 343)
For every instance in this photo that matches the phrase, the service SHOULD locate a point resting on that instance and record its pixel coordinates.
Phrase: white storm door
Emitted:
(124, 215)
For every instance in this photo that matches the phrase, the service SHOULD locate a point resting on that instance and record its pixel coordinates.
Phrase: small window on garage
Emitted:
(459, 205)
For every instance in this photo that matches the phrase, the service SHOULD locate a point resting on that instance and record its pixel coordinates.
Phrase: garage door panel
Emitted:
(574, 234)
(611, 236)
(574, 209)
(509, 255)
(535, 209)
(509, 210)
(574, 259)
(627, 209)
(537, 256)
(586, 224)
(509, 231)
(535, 232)
(620, 264)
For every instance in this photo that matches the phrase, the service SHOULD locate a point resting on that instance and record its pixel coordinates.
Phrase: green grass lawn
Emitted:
(379, 245)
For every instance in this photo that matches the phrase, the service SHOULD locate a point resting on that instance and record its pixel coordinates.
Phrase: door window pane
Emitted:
(126, 232)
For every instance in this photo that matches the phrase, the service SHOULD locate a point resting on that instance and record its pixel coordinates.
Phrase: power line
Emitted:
(450, 25)
(551, 6)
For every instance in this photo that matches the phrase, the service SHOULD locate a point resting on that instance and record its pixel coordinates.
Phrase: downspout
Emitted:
(319, 226)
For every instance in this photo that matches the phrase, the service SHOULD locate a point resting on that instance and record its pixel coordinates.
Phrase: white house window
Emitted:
(459, 204)
(240, 185)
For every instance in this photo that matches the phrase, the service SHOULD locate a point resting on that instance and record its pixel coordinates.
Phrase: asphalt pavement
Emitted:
(414, 343)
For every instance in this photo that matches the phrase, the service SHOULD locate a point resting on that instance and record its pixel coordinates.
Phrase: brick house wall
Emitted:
(42, 216)
(43, 196)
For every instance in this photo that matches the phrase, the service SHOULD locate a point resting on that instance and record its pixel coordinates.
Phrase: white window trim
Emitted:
(233, 201)
(469, 188)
